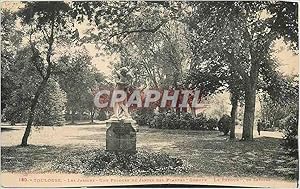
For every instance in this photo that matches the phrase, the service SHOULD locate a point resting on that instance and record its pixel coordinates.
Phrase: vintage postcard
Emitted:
(149, 93)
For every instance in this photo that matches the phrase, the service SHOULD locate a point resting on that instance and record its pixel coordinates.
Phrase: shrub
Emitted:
(144, 116)
(224, 124)
(51, 107)
(101, 115)
(100, 162)
(158, 121)
(171, 121)
(184, 120)
(290, 125)
(202, 122)
(212, 124)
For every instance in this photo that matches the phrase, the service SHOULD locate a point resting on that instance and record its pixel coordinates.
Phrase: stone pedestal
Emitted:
(120, 136)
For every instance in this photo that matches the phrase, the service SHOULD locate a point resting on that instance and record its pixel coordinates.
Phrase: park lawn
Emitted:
(207, 153)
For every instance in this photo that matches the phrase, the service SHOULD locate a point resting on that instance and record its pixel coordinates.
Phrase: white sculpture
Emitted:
(124, 77)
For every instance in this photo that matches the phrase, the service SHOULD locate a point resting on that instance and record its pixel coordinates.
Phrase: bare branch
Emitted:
(45, 34)
(151, 30)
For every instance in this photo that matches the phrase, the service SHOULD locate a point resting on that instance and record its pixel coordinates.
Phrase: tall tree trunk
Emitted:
(250, 98)
(32, 111)
(233, 113)
(249, 112)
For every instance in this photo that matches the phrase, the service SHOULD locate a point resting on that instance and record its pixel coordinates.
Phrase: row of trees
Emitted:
(218, 45)
(46, 76)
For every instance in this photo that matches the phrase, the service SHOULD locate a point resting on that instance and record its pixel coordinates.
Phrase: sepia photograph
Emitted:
(149, 94)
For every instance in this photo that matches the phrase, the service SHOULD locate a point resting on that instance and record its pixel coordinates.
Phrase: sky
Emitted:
(289, 62)
(102, 63)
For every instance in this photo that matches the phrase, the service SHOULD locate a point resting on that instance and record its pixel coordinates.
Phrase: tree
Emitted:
(79, 79)
(282, 106)
(131, 28)
(284, 22)
(10, 42)
(47, 21)
(51, 107)
(237, 30)
(280, 95)
(211, 65)
(157, 60)
(138, 26)
(95, 80)
(261, 35)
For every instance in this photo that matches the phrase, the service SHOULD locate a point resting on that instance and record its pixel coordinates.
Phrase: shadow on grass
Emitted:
(264, 157)
(33, 158)
(5, 129)
(17, 158)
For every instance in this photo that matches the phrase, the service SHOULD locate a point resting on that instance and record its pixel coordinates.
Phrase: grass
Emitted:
(206, 152)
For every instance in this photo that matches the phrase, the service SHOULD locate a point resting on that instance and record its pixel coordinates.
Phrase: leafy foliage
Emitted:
(163, 63)
(79, 79)
(290, 126)
(41, 16)
(102, 116)
(230, 45)
(286, 21)
(144, 116)
(274, 113)
(280, 109)
(51, 108)
(24, 82)
(113, 21)
(10, 43)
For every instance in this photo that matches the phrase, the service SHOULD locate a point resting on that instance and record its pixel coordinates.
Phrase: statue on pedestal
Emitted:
(121, 131)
